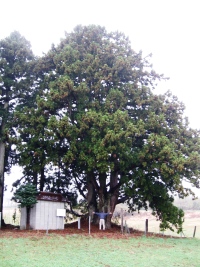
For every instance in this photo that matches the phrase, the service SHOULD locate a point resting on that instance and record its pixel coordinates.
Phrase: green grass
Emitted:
(87, 251)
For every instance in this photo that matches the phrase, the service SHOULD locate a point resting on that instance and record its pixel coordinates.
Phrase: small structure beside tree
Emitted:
(26, 196)
(40, 211)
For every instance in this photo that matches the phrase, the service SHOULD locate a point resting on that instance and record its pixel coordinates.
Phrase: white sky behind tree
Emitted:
(169, 29)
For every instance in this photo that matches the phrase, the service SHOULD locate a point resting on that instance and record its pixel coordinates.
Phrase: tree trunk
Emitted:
(28, 212)
(114, 190)
(2, 162)
(35, 178)
(2, 157)
(42, 178)
(113, 196)
(102, 193)
(107, 200)
(91, 196)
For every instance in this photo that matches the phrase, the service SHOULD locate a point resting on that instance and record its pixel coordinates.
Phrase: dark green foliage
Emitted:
(15, 70)
(25, 195)
(16, 80)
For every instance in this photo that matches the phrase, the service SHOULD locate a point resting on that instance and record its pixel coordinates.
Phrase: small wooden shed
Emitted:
(47, 213)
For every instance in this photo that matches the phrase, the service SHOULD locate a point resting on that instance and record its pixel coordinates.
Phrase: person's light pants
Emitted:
(101, 223)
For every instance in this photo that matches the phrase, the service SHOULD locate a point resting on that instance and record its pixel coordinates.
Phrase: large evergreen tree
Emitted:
(118, 141)
(15, 89)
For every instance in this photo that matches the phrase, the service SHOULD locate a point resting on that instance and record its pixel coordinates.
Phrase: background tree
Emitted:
(15, 88)
(25, 195)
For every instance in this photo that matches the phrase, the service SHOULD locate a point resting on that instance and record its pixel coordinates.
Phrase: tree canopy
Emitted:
(97, 129)
(25, 195)
(15, 88)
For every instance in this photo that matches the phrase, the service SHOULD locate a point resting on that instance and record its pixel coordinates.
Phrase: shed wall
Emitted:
(44, 216)
(23, 219)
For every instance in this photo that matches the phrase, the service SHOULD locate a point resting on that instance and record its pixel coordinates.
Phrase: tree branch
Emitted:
(72, 211)
(122, 200)
(79, 188)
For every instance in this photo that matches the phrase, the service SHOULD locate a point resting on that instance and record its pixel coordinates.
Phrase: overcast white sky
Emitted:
(167, 28)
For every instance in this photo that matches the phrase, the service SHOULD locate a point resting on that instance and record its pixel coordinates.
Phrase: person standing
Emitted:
(102, 216)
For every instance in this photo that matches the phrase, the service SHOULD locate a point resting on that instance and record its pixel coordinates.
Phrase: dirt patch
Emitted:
(72, 229)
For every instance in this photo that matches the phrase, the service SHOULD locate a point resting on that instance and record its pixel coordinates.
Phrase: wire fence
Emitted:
(11, 213)
(191, 226)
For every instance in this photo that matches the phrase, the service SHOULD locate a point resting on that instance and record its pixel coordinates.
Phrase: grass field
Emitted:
(87, 251)
(83, 251)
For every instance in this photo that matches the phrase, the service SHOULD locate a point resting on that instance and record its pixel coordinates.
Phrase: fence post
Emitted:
(122, 223)
(126, 228)
(79, 223)
(89, 224)
(146, 226)
(194, 231)
(0, 220)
